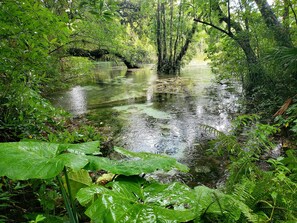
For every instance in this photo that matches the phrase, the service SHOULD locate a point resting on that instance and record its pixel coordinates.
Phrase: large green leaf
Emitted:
(25, 160)
(28, 160)
(211, 201)
(132, 199)
(77, 180)
(136, 163)
(87, 148)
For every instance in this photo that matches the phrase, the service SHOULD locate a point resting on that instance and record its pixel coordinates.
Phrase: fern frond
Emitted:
(245, 120)
(244, 167)
(210, 130)
(244, 190)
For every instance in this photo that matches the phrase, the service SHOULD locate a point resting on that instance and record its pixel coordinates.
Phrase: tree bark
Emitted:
(159, 37)
(171, 33)
(171, 43)
(164, 41)
(186, 45)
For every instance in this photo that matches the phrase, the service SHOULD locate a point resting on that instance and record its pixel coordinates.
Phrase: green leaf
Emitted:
(132, 199)
(28, 160)
(135, 166)
(88, 148)
(78, 179)
(24, 160)
(151, 162)
(46, 160)
(212, 201)
(74, 161)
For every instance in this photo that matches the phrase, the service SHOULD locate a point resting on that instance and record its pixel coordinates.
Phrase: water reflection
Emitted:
(151, 121)
(144, 132)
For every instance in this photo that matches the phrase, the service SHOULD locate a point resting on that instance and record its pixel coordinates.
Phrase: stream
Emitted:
(165, 115)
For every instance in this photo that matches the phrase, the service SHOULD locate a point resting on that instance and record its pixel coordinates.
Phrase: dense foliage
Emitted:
(29, 33)
(256, 45)
(247, 40)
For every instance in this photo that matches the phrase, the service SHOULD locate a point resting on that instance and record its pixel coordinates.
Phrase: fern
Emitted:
(271, 193)
(223, 144)
(244, 122)
(211, 130)
(244, 167)
(259, 138)
(243, 191)
(219, 207)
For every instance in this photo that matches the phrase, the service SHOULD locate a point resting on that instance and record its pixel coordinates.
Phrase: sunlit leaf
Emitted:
(24, 160)
(78, 179)
(28, 160)
(136, 165)
(164, 164)
(87, 148)
(134, 200)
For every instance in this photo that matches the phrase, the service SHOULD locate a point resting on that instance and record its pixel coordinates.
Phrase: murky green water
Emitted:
(156, 114)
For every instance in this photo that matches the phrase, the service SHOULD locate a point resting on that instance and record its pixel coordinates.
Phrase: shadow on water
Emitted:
(147, 113)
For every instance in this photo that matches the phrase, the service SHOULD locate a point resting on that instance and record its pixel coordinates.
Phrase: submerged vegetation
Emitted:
(55, 168)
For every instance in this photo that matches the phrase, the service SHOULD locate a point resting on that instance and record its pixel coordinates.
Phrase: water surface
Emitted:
(149, 113)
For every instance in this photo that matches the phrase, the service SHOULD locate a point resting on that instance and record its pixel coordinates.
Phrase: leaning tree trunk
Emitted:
(185, 47)
(281, 34)
(256, 71)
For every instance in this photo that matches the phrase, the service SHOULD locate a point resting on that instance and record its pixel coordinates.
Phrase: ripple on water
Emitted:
(164, 122)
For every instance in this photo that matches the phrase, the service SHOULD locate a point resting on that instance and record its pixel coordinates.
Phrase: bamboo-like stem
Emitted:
(67, 200)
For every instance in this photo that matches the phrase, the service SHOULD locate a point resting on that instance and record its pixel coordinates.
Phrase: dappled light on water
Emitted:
(78, 100)
(156, 114)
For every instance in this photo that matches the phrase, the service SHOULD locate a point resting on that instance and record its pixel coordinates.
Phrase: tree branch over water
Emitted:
(98, 54)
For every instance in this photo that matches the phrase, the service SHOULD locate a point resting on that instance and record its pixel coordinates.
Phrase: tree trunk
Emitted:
(281, 34)
(171, 33)
(169, 37)
(186, 46)
(178, 31)
(164, 31)
(97, 54)
(159, 37)
(256, 71)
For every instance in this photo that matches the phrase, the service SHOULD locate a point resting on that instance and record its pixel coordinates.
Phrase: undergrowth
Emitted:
(60, 181)
(262, 171)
